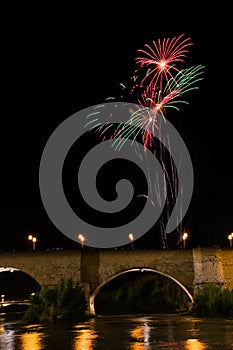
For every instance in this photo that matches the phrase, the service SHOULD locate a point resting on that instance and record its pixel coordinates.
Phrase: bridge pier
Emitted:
(89, 267)
(208, 268)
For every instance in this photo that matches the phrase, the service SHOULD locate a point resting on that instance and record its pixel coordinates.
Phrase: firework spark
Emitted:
(160, 58)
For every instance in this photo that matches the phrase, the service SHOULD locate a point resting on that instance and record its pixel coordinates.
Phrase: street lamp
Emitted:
(230, 237)
(131, 238)
(30, 239)
(34, 243)
(33, 240)
(184, 237)
(82, 239)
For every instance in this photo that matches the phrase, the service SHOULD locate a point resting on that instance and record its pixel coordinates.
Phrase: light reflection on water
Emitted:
(84, 339)
(163, 332)
(31, 339)
(194, 344)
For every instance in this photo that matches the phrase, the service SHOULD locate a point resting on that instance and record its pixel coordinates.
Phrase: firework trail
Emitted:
(158, 85)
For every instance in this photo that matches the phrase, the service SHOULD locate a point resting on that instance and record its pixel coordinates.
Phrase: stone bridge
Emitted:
(188, 268)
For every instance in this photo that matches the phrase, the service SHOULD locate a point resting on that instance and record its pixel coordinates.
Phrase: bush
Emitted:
(213, 301)
(65, 301)
(146, 294)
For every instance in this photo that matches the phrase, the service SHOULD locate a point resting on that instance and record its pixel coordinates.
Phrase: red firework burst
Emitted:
(160, 59)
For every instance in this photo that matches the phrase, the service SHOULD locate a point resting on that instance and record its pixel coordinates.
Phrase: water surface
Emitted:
(131, 332)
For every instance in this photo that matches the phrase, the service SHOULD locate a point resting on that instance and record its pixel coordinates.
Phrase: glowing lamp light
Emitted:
(82, 239)
(32, 239)
(184, 237)
(34, 243)
(131, 238)
(230, 237)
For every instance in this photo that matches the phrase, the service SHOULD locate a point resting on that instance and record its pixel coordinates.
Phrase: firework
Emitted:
(160, 58)
(152, 106)
(159, 84)
(160, 89)
(183, 82)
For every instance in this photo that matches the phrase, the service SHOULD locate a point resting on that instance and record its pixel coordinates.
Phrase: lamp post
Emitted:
(34, 243)
(131, 238)
(82, 239)
(230, 237)
(32, 239)
(184, 237)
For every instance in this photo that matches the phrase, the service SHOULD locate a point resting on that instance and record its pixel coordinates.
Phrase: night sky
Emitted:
(52, 68)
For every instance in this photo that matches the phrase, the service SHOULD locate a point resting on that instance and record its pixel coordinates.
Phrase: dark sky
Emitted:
(52, 67)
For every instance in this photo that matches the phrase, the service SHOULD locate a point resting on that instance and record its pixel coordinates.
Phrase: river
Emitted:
(128, 332)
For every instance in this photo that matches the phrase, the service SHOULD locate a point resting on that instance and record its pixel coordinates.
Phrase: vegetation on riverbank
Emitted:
(150, 293)
(66, 301)
(147, 294)
(213, 301)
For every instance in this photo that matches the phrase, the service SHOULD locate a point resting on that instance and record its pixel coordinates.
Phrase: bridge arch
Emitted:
(136, 269)
(11, 277)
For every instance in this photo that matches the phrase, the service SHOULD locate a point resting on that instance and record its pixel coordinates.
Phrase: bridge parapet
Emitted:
(191, 268)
